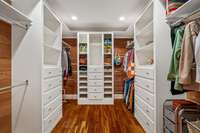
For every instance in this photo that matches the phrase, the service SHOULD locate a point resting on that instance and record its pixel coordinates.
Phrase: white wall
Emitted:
(26, 65)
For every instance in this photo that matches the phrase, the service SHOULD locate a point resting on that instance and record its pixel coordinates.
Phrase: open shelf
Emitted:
(13, 15)
(144, 55)
(50, 20)
(183, 11)
(145, 36)
(49, 36)
(51, 55)
(145, 18)
(145, 48)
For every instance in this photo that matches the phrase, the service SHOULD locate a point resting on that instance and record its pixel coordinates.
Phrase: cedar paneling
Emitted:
(119, 46)
(71, 83)
(120, 75)
(5, 77)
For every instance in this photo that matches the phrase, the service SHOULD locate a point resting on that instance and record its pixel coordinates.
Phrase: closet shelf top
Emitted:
(11, 15)
(184, 11)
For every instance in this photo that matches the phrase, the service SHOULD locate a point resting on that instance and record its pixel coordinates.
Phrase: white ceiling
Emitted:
(98, 15)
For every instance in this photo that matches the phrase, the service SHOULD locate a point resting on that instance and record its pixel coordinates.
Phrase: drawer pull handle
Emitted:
(147, 86)
(147, 98)
(147, 73)
(49, 97)
(147, 111)
(50, 72)
(147, 123)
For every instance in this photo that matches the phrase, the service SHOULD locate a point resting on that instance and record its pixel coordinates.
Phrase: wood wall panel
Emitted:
(5, 77)
(119, 46)
(120, 75)
(71, 83)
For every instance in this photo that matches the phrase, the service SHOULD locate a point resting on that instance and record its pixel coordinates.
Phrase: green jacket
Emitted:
(174, 66)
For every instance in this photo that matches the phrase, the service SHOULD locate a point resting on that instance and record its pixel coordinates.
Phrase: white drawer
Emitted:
(145, 83)
(146, 73)
(146, 108)
(48, 109)
(51, 121)
(95, 89)
(146, 123)
(95, 69)
(52, 72)
(93, 83)
(145, 95)
(95, 76)
(95, 96)
(51, 83)
(51, 95)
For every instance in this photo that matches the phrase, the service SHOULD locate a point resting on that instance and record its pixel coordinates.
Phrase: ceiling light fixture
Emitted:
(122, 18)
(74, 18)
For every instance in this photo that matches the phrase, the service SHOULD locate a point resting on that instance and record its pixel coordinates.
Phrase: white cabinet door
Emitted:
(95, 50)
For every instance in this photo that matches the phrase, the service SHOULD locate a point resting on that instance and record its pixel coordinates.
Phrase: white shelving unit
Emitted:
(13, 16)
(152, 50)
(52, 72)
(183, 11)
(36, 57)
(95, 77)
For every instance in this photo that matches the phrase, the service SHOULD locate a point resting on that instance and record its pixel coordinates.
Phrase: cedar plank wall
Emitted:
(119, 74)
(120, 46)
(71, 85)
(5, 77)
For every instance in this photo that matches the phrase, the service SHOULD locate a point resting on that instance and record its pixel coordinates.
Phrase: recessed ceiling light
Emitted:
(74, 18)
(122, 18)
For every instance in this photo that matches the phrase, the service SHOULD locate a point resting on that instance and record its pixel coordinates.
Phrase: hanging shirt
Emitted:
(64, 60)
(197, 58)
(187, 52)
(174, 66)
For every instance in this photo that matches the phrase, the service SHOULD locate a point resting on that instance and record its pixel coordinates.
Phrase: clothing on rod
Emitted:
(185, 56)
(66, 62)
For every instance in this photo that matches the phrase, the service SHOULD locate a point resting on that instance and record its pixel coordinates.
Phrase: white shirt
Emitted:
(197, 58)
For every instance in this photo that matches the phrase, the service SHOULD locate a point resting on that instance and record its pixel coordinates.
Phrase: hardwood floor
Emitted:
(97, 119)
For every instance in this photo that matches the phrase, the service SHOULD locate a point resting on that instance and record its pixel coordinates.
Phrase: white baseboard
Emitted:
(74, 96)
(118, 96)
(70, 96)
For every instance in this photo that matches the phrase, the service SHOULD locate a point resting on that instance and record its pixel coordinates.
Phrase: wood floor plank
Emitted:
(97, 119)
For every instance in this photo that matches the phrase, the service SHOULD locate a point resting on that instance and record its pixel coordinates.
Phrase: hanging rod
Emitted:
(9, 87)
(185, 17)
(66, 44)
(21, 25)
(193, 125)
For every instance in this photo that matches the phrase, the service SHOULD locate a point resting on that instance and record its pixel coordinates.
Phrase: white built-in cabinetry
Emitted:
(36, 57)
(152, 58)
(95, 68)
(52, 72)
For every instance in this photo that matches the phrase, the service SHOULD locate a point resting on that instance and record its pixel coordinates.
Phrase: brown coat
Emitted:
(187, 52)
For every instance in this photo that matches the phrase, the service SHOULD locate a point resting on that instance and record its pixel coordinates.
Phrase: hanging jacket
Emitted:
(187, 52)
(174, 66)
(197, 58)
(69, 64)
(173, 35)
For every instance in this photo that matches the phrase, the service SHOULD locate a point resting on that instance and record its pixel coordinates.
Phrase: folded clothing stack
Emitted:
(173, 5)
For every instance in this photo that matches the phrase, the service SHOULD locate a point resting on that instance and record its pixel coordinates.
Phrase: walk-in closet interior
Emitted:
(99, 66)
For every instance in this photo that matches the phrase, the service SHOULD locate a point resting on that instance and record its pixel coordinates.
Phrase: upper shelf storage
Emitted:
(51, 20)
(145, 36)
(183, 11)
(12, 15)
(145, 18)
